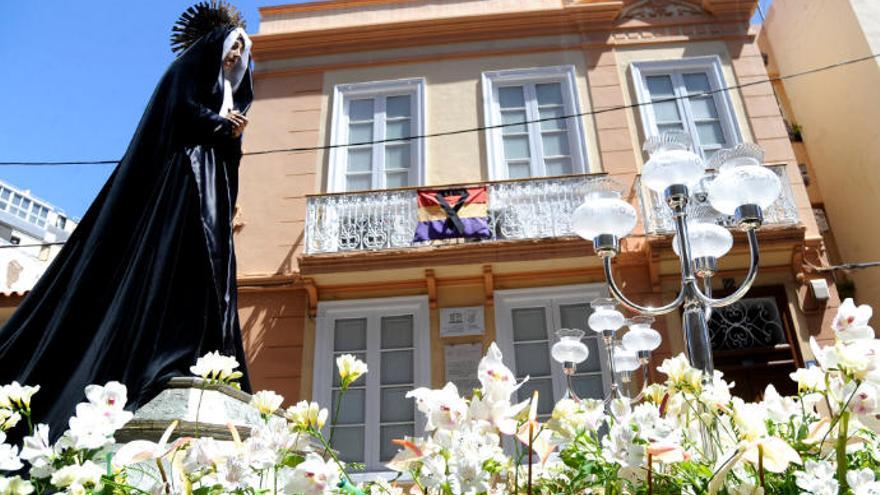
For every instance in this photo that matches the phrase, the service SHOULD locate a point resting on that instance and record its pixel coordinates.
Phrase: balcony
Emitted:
(658, 217)
(517, 210)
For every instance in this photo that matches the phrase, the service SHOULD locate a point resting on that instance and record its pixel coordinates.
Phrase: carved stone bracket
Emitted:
(312, 291)
(431, 284)
(489, 285)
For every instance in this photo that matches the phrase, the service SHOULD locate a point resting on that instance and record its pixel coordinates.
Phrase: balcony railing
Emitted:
(658, 217)
(375, 220)
(518, 209)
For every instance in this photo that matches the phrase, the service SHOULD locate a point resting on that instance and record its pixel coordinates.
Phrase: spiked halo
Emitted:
(200, 19)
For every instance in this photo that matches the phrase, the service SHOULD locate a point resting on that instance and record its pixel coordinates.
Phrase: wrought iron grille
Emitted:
(747, 323)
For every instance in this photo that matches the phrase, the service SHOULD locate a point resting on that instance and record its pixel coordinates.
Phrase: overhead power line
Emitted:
(489, 127)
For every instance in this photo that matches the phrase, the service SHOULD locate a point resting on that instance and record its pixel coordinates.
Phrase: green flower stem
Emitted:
(30, 423)
(838, 418)
(761, 467)
(327, 450)
(199, 407)
(841, 451)
(342, 392)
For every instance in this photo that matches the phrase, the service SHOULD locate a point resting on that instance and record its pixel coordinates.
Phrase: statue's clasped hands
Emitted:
(239, 122)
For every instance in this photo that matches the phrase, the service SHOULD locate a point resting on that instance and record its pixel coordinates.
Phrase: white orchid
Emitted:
(851, 322)
(862, 482)
(817, 478)
(78, 478)
(266, 401)
(144, 450)
(214, 366)
(810, 379)
(497, 380)
(443, 408)
(37, 450)
(313, 476)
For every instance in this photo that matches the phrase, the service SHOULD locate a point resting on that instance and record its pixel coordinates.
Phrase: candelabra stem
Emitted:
(696, 335)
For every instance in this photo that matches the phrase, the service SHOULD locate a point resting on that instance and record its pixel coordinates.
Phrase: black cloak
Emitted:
(146, 283)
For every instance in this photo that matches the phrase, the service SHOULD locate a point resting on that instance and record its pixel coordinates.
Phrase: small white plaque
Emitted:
(461, 366)
(462, 321)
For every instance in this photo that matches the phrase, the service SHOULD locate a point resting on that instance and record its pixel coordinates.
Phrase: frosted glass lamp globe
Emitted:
(604, 316)
(707, 240)
(641, 337)
(569, 348)
(671, 162)
(742, 180)
(625, 360)
(603, 213)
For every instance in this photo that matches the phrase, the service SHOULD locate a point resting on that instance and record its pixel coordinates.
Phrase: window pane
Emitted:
(397, 156)
(512, 116)
(387, 450)
(589, 386)
(703, 108)
(553, 112)
(710, 133)
(396, 408)
(574, 315)
(544, 386)
(360, 133)
(660, 86)
(397, 106)
(529, 324)
(397, 367)
(549, 94)
(359, 382)
(396, 179)
(661, 128)
(360, 182)
(516, 147)
(592, 362)
(397, 129)
(511, 97)
(352, 406)
(696, 83)
(532, 359)
(349, 442)
(397, 331)
(350, 335)
(555, 143)
(360, 109)
(558, 166)
(666, 111)
(518, 171)
(360, 159)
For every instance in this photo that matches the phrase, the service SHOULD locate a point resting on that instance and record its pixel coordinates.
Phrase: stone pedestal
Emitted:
(191, 401)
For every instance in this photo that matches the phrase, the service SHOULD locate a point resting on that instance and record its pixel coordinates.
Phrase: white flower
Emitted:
(77, 477)
(569, 415)
(443, 408)
(215, 366)
(113, 395)
(9, 460)
(679, 373)
(313, 476)
(18, 396)
(851, 322)
(350, 369)
(93, 426)
(15, 486)
(8, 419)
(205, 452)
(779, 409)
(497, 380)
(862, 482)
(306, 415)
(817, 478)
(810, 379)
(266, 401)
(381, 487)
(144, 450)
(37, 450)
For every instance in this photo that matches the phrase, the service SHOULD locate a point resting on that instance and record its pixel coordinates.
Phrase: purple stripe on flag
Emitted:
(474, 228)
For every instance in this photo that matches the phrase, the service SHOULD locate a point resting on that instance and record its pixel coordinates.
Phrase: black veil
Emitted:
(146, 282)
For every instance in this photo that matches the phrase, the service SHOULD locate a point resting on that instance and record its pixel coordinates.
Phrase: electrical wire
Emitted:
(488, 127)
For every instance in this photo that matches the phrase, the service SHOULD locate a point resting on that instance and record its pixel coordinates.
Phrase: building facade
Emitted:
(31, 234)
(331, 256)
(831, 115)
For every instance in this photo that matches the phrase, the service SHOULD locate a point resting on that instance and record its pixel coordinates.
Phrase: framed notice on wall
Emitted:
(468, 320)
(461, 366)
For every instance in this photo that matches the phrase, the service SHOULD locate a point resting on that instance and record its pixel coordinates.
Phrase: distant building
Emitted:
(35, 226)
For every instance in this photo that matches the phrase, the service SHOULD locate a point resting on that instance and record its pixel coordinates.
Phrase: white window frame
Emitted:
(338, 156)
(711, 65)
(373, 310)
(564, 74)
(550, 298)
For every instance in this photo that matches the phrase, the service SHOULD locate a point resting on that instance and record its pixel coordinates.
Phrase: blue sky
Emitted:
(77, 76)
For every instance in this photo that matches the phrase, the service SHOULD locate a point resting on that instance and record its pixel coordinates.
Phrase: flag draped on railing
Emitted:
(451, 213)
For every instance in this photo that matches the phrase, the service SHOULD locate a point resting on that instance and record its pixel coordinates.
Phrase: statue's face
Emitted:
(234, 55)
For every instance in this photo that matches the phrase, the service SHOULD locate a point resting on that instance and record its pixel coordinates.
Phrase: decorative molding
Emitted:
(650, 10)
(489, 285)
(431, 283)
(312, 291)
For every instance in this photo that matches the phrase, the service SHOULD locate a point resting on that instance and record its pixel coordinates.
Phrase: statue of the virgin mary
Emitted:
(146, 283)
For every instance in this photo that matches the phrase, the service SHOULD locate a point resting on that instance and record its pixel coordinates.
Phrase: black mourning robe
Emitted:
(146, 283)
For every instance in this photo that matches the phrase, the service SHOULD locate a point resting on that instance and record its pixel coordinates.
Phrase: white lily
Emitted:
(144, 450)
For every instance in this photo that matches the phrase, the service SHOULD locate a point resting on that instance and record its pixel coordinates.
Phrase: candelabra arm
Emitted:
(648, 310)
(707, 290)
(754, 256)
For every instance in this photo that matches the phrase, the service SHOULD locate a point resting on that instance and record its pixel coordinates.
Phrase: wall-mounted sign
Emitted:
(461, 366)
(462, 321)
